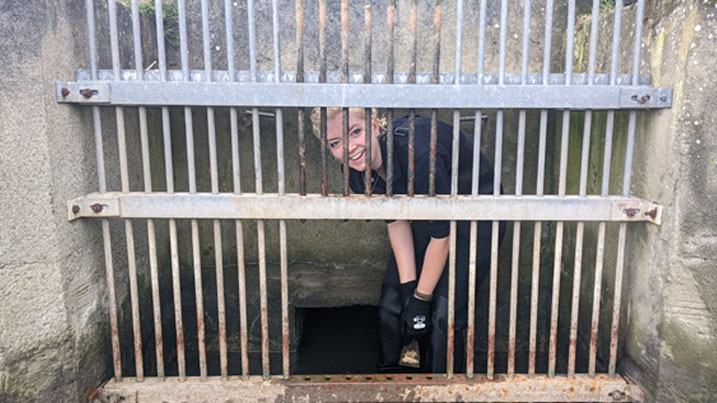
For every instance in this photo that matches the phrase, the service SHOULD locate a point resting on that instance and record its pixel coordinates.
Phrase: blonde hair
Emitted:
(332, 112)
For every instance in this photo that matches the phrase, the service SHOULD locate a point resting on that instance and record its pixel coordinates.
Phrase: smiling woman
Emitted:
(414, 295)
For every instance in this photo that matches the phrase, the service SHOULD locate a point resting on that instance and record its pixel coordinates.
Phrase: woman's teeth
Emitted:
(357, 156)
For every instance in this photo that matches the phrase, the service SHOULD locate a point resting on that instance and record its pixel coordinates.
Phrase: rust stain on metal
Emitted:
(631, 212)
(65, 92)
(87, 93)
(97, 208)
(652, 213)
(75, 209)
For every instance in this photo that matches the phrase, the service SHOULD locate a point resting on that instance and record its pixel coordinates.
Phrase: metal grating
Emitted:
(280, 89)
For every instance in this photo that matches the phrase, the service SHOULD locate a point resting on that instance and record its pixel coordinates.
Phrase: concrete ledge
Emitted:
(370, 388)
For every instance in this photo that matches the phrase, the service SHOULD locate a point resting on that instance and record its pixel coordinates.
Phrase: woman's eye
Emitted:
(334, 144)
(356, 132)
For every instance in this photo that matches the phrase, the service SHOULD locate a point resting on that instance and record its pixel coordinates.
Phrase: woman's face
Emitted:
(357, 140)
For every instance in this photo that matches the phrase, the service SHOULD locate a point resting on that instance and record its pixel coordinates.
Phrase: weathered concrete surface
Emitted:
(53, 325)
(54, 331)
(669, 341)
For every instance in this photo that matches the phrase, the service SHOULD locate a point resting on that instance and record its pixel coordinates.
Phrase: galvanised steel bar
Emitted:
(214, 178)
(322, 79)
(261, 241)
(607, 160)
(196, 257)
(496, 191)
(562, 182)
(236, 176)
(580, 230)
(413, 24)
(147, 176)
(470, 333)
(368, 131)
(375, 387)
(344, 80)
(102, 187)
(284, 271)
(391, 23)
(352, 95)
(434, 112)
(622, 234)
(300, 113)
(378, 77)
(450, 340)
(124, 179)
(169, 177)
(421, 207)
(520, 157)
(540, 184)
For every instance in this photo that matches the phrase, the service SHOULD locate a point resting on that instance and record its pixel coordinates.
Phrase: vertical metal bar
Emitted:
(322, 79)
(391, 22)
(622, 234)
(454, 191)
(169, 175)
(214, 178)
(435, 79)
(236, 175)
(196, 257)
(259, 190)
(300, 114)
(496, 191)
(281, 188)
(413, 24)
(475, 182)
(539, 191)
(562, 181)
(102, 185)
(515, 258)
(124, 178)
(153, 270)
(607, 160)
(368, 176)
(582, 192)
(344, 80)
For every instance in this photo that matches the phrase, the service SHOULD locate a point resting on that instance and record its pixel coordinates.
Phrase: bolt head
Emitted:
(97, 208)
(65, 92)
(75, 209)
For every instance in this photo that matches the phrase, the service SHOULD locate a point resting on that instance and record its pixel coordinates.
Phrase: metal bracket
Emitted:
(95, 92)
(646, 97)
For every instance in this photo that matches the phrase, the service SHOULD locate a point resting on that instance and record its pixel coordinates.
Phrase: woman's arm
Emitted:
(433, 263)
(401, 237)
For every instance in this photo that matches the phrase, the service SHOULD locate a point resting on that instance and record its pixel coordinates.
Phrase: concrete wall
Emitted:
(54, 321)
(53, 315)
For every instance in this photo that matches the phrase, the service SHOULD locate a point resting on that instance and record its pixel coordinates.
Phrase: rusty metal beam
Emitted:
(293, 206)
(370, 388)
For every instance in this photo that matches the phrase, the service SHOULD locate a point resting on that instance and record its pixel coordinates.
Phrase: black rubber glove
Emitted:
(417, 316)
(406, 292)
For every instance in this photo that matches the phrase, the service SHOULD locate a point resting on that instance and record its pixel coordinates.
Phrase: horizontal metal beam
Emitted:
(371, 388)
(293, 206)
(155, 93)
(357, 77)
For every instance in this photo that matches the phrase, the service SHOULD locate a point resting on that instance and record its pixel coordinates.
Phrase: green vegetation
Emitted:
(170, 16)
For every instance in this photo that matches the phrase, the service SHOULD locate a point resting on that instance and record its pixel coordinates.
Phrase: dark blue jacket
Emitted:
(436, 229)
